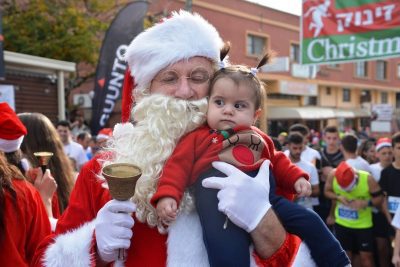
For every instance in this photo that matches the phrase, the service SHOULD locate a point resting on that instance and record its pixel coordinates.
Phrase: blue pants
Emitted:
(230, 247)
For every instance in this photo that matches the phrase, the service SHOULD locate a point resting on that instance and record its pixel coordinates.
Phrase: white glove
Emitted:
(244, 199)
(113, 228)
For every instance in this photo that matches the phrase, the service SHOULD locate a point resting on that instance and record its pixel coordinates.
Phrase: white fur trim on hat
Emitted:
(102, 136)
(10, 145)
(182, 36)
(382, 144)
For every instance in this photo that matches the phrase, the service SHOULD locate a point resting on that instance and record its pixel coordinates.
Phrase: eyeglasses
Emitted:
(197, 76)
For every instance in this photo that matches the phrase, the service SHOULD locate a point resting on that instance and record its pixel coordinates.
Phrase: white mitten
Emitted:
(244, 199)
(113, 228)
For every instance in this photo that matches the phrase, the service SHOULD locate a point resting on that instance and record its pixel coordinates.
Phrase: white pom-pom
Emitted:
(121, 129)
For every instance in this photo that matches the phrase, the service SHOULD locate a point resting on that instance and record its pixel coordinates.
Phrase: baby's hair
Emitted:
(224, 51)
(240, 74)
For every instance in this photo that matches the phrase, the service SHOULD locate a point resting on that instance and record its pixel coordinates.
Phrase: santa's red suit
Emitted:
(26, 224)
(148, 246)
(75, 244)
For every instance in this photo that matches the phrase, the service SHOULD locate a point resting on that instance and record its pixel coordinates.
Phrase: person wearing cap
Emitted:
(232, 110)
(100, 227)
(13, 135)
(23, 219)
(102, 136)
(381, 219)
(354, 191)
(384, 154)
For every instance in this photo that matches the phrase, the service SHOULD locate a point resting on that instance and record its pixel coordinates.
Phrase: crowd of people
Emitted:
(214, 189)
(359, 215)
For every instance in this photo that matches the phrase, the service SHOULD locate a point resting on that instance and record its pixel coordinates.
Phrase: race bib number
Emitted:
(347, 213)
(393, 203)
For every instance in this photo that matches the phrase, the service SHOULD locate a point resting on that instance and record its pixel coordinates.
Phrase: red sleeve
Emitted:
(55, 206)
(284, 256)
(177, 170)
(86, 199)
(30, 219)
(41, 250)
(286, 173)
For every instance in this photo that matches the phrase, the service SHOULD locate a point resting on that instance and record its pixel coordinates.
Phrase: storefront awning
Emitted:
(313, 113)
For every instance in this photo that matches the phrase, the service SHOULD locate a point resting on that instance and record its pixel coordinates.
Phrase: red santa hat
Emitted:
(182, 36)
(12, 131)
(345, 176)
(104, 133)
(383, 142)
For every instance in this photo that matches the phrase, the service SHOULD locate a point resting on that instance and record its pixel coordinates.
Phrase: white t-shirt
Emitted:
(376, 170)
(359, 164)
(396, 219)
(308, 202)
(309, 154)
(76, 151)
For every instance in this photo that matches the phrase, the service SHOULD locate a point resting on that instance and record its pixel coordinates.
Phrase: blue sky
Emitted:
(289, 6)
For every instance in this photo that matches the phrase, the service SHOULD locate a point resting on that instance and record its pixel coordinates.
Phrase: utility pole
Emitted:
(188, 5)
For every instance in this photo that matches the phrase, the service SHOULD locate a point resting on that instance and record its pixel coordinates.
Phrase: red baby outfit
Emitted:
(244, 147)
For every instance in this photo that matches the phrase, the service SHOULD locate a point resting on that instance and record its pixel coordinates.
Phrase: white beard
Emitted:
(161, 122)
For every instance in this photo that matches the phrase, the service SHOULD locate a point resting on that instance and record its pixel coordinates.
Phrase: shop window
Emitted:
(256, 45)
(346, 95)
(365, 96)
(310, 100)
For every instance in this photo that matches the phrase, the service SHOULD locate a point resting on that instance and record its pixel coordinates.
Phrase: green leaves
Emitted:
(70, 30)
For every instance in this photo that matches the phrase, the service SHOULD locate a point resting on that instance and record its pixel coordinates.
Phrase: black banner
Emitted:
(2, 72)
(111, 67)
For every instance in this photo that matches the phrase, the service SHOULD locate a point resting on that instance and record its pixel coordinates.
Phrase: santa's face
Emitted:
(186, 79)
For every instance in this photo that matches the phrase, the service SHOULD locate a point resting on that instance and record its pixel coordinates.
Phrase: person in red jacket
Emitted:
(94, 228)
(23, 218)
(235, 104)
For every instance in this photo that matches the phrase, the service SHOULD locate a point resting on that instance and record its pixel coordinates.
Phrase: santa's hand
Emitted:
(113, 228)
(245, 200)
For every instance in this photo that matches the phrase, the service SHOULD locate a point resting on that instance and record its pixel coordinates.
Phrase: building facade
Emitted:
(340, 94)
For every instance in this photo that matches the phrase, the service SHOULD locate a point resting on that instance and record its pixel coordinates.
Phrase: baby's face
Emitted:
(231, 105)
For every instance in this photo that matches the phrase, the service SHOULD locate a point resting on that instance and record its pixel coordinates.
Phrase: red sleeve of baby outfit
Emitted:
(286, 173)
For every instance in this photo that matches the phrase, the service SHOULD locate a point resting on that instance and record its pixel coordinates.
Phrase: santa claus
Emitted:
(96, 230)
